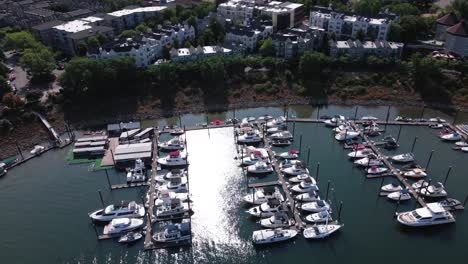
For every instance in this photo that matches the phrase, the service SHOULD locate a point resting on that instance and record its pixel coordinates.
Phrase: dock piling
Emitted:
(429, 160)
(318, 112)
(422, 112)
(446, 176)
(180, 120)
(100, 196)
(355, 112)
(388, 116)
(339, 211)
(397, 205)
(108, 180)
(19, 150)
(300, 144)
(380, 188)
(466, 199)
(414, 144)
(317, 172)
(399, 132)
(308, 156)
(328, 188)
(294, 129)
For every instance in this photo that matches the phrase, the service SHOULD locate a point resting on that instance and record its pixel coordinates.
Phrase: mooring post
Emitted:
(397, 205)
(446, 176)
(180, 120)
(388, 116)
(100, 196)
(19, 150)
(300, 144)
(317, 172)
(466, 199)
(318, 112)
(429, 160)
(399, 132)
(339, 211)
(355, 112)
(380, 188)
(108, 180)
(294, 128)
(422, 112)
(308, 156)
(414, 144)
(253, 196)
(284, 110)
(455, 118)
(328, 188)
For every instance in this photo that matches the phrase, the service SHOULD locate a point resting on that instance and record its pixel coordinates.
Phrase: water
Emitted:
(44, 204)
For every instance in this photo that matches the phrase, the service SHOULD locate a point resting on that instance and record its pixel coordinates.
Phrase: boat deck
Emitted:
(129, 185)
(148, 244)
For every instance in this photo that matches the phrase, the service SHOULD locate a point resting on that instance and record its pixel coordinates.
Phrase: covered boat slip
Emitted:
(125, 155)
(90, 144)
(128, 135)
(116, 129)
(91, 152)
(92, 139)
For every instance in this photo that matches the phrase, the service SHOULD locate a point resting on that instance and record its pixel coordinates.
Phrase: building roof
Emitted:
(78, 12)
(125, 12)
(91, 31)
(449, 19)
(460, 29)
(129, 125)
(42, 12)
(48, 25)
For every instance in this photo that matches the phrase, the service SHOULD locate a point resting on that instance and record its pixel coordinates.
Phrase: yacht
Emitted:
(403, 158)
(260, 167)
(376, 170)
(246, 151)
(130, 237)
(461, 144)
(289, 163)
(165, 197)
(436, 190)
(464, 149)
(402, 195)
(392, 187)
(277, 122)
(292, 154)
(174, 159)
(138, 173)
(320, 231)
(268, 236)
(370, 161)
(177, 132)
(342, 128)
(121, 225)
(419, 184)
(295, 170)
(451, 137)
(175, 143)
(316, 206)
(310, 196)
(266, 209)
(263, 195)
(390, 143)
(281, 142)
(345, 135)
(278, 220)
(174, 207)
(359, 154)
(369, 118)
(450, 203)
(335, 121)
(301, 177)
(415, 173)
(254, 158)
(283, 135)
(175, 185)
(305, 186)
(319, 217)
(172, 174)
(174, 233)
(124, 210)
(436, 126)
(431, 214)
(249, 137)
(277, 129)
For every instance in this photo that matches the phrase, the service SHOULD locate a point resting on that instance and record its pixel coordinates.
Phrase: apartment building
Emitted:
(192, 53)
(247, 36)
(356, 49)
(294, 42)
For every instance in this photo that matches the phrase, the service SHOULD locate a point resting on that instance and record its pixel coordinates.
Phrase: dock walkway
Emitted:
(49, 127)
(148, 244)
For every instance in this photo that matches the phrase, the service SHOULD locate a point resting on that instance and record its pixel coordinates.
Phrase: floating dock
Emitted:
(129, 185)
(264, 184)
(148, 244)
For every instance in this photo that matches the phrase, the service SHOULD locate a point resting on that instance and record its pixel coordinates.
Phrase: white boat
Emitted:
(431, 214)
(165, 197)
(461, 144)
(310, 196)
(289, 163)
(121, 225)
(305, 186)
(173, 174)
(402, 195)
(359, 154)
(254, 158)
(316, 206)
(392, 187)
(320, 231)
(283, 135)
(249, 137)
(277, 122)
(342, 128)
(415, 173)
(369, 118)
(265, 209)
(320, 217)
(345, 135)
(464, 149)
(451, 137)
(138, 173)
(376, 170)
(370, 161)
(295, 170)
(436, 126)
(403, 158)
(124, 210)
(277, 129)
(130, 237)
(246, 151)
(260, 167)
(292, 154)
(435, 190)
(174, 207)
(263, 195)
(277, 220)
(177, 132)
(280, 142)
(301, 177)
(3, 169)
(174, 159)
(419, 184)
(174, 233)
(335, 121)
(175, 185)
(175, 143)
(268, 236)
(38, 149)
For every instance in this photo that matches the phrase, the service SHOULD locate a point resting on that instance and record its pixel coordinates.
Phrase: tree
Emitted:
(207, 38)
(367, 7)
(403, 9)
(267, 48)
(395, 32)
(12, 100)
(4, 87)
(92, 43)
(142, 28)
(38, 63)
(409, 28)
(130, 33)
(460, 7)
(312, 64)
(21, 41)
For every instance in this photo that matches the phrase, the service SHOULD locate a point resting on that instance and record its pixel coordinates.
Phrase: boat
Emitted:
(246, 151)
(436, 126)
(175, 185)
(292, 154)
(172, 174)
(431, 214)
(173, 207)
(370, 161)
(450, 203)
(451, 137)
(249, 137)
(174, 159)
(277, 122)
(130, 237)
(3, 169)
(419, 184)
(401, 195)
(37, 150)
(305, 186)
(289, 163)
(392, 187)
(124, 210)
(335, 121)
(165, 196)
(265, 209)
(320, 231)
(319, 217)
(390, 143)
(268, 236)
(295, 170)
(260, 167)
(359, 154)
(437, 119)
(342, 128)
(310, 196)
(278, 220)
(464, 149)
(283, 135)
(277, 129)
(177, 132)
(137, 173)
(436, 190)
(122, 225)
(461, 144)
(281, 142)
(263, 195)
(415, 173)
(376, 170)
(175, 143)
(254, 158)
(403, 158)
(315, 206)
(347, 135)
(301, 177)
(174, 233)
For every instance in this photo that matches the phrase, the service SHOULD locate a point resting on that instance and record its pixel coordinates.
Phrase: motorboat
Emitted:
(310, 196)
(419, 184)
(431, 214)
(415, 173)
(401, 195)
(295, 170)
(464, 149)
(3, 169)
(174, 233)
(176, 131)
(172, 174)
(260, 167)
(283, 135)
(316, 206)
(437, 119)
(319, 217)
(174, 159)
(130, 237)
(371, 161)
(359, 154)
(305, 186)
(436, 190)
(266, 209)
(174, 207)
(450, 203)
(281, 142)
(374, 170)
(175, 143)
(38, 149)
(254, 158)
(392, 187)
(320, 231)
(342, 136)
(289, 163)
(277, 122)
(175, 185)
(277, 129)
(292, 154)
(278, 220)
(390, 143)
(403, 158)
(451, 137)
(247, 151)
(342, 128)
(122, 225)
(436, 126)
(369, 118)
(461, 144)
(137, 173)
(268, 236)
(165, 196)
(249, 137)
(263, 195)
(301, 177)
(123, 210)
(335, 121)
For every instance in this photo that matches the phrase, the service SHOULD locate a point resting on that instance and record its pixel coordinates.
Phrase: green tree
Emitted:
(312, 64)
(21, 41)
(38, 63)
(367, 7)
(267, 48)
(403, 9)
(130, 33)
(92, 43)
(460, 7)
(4, 87)
(142, 28)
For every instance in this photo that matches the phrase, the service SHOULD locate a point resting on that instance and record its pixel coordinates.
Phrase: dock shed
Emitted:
(117, 129)
(126, 154)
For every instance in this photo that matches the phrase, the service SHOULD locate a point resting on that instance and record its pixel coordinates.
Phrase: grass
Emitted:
(97, 162)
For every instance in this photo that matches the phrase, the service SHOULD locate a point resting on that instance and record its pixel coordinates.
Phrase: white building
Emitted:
(295, 42)
(192, 53)
(348, 26)
(129, 18)
(247, 36)
(360, 50)
(456, 39)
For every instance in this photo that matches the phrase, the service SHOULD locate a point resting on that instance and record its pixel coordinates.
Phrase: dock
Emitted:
(379, 122)
(264, 184)
(129, 185)
(49, 127)
(148, 244)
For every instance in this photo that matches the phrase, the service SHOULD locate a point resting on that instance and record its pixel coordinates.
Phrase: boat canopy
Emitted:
(293, 151)
(174, 154)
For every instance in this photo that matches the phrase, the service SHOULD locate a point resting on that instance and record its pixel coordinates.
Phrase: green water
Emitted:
(44, 204)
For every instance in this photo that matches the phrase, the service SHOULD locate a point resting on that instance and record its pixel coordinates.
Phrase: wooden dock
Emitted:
(264, 184)
(379, 122)
(148, 244)
(129, 185)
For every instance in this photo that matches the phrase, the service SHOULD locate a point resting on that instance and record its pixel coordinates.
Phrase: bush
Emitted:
(13, 101)
(33, 96)
(5, 125)
(265, 88)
